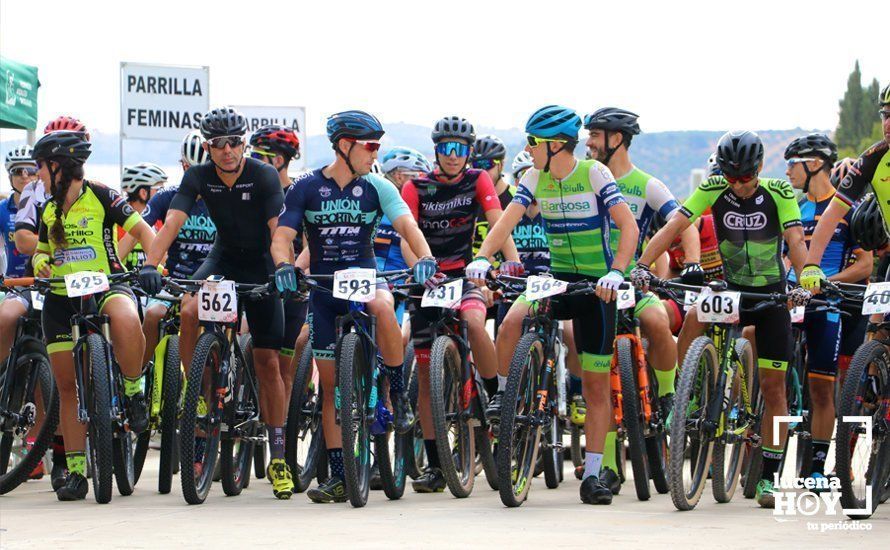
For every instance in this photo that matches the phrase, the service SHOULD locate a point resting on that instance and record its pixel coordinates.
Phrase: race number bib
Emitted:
(85, 283)
(626, 298)
(719, 307)
(356, 285)
(797, 314)
(37, 300)
(537, 287)
(690, 299)
(217, 302)
(447, 295)
(876, 299)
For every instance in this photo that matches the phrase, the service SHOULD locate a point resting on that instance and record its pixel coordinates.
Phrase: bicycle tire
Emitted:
(124, 457)
(171, 395)
(517, 450)
(238, 449)
(445, 391)
(12, 478)
(855, 397)
(485, 443)
(417, 456)
(389, 450)
(245, 341)
(207, 358)
(552, 455)
(632, 417)
(701, 352)
(352, 371)
(303, 426)
(727, 467)
(100, 432)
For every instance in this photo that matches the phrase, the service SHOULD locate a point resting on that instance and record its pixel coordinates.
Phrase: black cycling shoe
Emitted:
(430, 481)
(137, 413)
(594, 491)
(332, 490)
(404, 417)
(493, 411)
(611, 480)
(57, 475)
(666, 405)
(375, 483)
(74, 488)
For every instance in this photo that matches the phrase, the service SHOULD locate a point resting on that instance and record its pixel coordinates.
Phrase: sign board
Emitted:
(18, 95)
(293, 117)
(162, 102)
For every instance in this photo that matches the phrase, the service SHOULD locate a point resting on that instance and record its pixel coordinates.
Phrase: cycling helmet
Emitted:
(489, 147)
(144, 174)
(884, 98)
(613, 119)
(454, 127)
(867, 224)
(19, 156)
(223, 121)
(818, 145)
(355, 125)
(376, 168)
(64, 144)
(277, 138)
(193, 152)
(522, 161)
(739, 153)
(405, 158)
(839, 171)
(554, 121)
(68, 124)
(713, 167)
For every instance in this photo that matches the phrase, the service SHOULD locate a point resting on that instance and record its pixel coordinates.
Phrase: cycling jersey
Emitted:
(481, 229)
(195, 238)
(530, 239)
(298, 239)
(15, 261)
(388, 247)
(576, 215)
(711, 262)
(447, 214)
(89, 232)
(241, 212)
(33, 197)
(841, 246)
(339, 224)
(645, 195)
(749, 230)
(872, 167)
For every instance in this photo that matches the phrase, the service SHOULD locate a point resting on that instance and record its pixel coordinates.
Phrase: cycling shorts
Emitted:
(294, 318)
(323, 312)
(423, 319)
(644, 302)
(823, 331)
(58, 310)
(773, 328)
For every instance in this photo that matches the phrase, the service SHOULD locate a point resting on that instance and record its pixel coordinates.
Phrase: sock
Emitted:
(665, 380)
(609, 459)
(335, 461)
(491, 385)
(132, 386)
(396, 382)
(276, 441)
(59, 450)
(502, 383)
(432, 453)
(820, 453)
(574, 385)
(200, 445)
(593, 463)
(77, 462)
(771, 461)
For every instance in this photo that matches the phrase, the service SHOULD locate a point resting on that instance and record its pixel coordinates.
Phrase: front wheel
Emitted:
(727, 462)
(632, 416)
(303, 441)
(237, 444)
(100, 433)
(354, 386)
(170, 399)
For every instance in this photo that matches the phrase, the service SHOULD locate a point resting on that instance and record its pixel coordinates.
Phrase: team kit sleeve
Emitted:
(26, 217)
(156, 209)
(272, 193)
(188, 191)
(409, 195)
(294, 207)
(858, 177)
(660, 199)
(786, 204)
(604, 185)
(391, 202)
(119, 211)
(528, 185)
(486, 194)
(703, 197)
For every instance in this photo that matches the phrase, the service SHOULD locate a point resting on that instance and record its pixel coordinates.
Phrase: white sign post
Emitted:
(292, 117)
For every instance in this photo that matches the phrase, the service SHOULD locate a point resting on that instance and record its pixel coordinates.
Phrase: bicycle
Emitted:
(29, 402)
(304, 440)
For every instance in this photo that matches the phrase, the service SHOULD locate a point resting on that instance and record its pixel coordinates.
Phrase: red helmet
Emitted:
(277, 138)
(68, 124)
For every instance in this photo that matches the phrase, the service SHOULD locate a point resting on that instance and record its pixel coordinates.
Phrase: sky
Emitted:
(682, 65)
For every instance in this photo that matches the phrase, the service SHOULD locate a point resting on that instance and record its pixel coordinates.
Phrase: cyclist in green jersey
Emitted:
(577, 200)
(752, 216)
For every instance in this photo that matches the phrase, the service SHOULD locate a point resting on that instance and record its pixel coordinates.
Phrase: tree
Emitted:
(849, 127)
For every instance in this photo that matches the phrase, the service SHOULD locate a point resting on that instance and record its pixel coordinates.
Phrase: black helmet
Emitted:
(613, 119)
(454, 127)
(223, 121)
(489, 147)
(818, 145)
(355, 125)
(71, 145)
(867, 224)
(884, 98)
(739, 153)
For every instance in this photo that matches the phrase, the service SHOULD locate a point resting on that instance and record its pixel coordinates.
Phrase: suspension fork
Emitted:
(722, 389)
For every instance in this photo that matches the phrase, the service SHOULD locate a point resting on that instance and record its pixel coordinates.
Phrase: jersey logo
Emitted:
(759, 200)
(324, 191)
(82, 222)
(357, 191)
(712, 184)
(782, 188)
(739, 222)
(245, 196)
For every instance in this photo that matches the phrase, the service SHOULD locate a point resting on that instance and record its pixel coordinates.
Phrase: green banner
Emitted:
(18, 95)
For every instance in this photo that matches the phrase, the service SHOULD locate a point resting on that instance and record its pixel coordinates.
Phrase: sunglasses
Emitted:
(885, 115)
(796, 160)
(486, 164)
(739, 179)
(447, 148)
(369, 144)
(23, 171)
(259, 154)
(534, 141)
(222, 141)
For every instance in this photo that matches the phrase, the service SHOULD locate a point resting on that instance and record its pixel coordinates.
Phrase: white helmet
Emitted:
(144, 174)
(522, 161)
(19, 156)
(406, 159)
(192, 149)
(376, 168)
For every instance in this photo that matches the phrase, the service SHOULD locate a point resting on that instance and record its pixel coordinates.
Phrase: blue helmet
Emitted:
(554, 121)
(353, 124)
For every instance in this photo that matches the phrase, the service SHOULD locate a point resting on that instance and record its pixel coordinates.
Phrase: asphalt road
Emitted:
(31, 517)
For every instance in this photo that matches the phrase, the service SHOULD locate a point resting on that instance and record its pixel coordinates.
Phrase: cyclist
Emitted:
(337, 208)
(488, 154)
(244, 197)
(611, 131)
(446, 203)
(22, 171)
(93, 210)
(577, 198)
(139, 183)
(753, 215)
